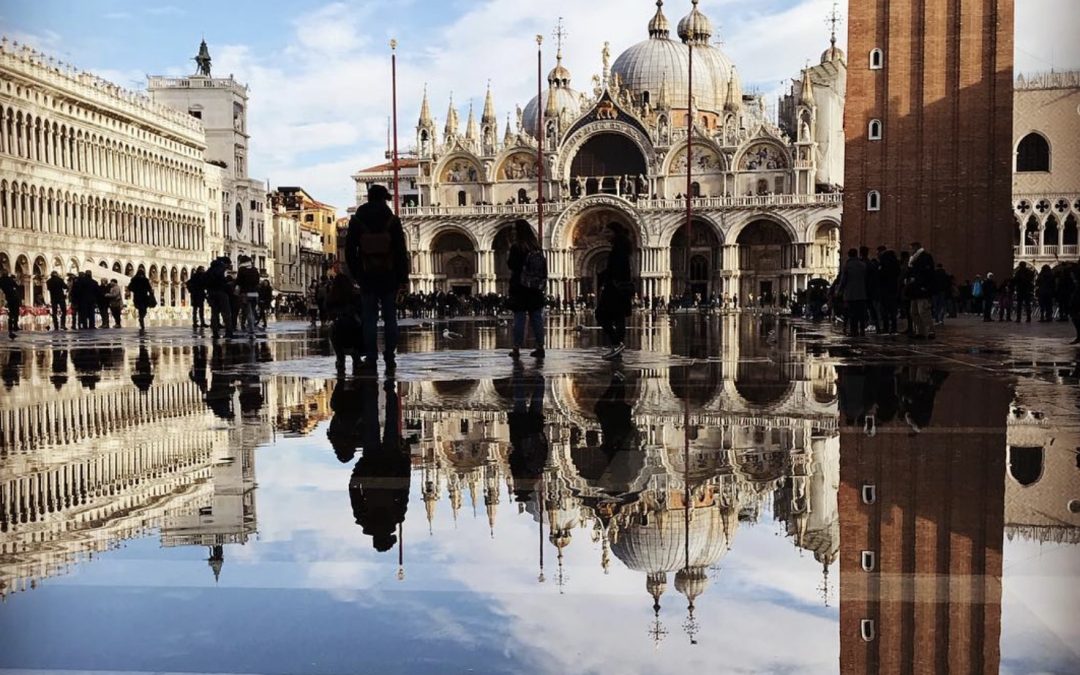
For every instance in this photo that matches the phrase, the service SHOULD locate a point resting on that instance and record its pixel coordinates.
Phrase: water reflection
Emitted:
(887, 487)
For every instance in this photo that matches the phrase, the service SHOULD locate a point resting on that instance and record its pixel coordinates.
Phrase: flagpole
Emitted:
(540, 139)
(394, 160)
(689, 168)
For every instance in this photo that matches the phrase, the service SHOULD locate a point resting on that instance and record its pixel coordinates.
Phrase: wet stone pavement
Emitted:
(742, 494)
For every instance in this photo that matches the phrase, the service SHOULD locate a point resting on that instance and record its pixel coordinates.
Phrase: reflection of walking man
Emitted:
(379, 487)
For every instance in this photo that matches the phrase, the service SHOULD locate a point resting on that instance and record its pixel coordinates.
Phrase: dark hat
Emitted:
(378, 193)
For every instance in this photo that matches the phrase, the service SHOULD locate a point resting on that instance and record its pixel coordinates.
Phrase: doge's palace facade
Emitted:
(94, 177)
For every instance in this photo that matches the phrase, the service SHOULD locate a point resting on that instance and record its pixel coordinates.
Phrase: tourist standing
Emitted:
(101, 296)
(247, 286)
(989, 294)
(888, 288)
(142, 296)
(115, 296)
(379, 262)
(853, 280)
(218, 297)
(528, 279)
(196, 287)
(12, 291)
(57, 301)
(616, 291)
(266, 301)
(1044, 291)
(920, 288)
(1024, 285)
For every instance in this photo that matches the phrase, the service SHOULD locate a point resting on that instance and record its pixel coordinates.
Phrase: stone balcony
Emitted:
(734, 202)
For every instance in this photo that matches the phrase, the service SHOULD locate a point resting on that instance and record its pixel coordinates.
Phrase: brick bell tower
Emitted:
(929, 130)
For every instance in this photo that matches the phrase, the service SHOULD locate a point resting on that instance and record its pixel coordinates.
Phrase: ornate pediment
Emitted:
(608, 110)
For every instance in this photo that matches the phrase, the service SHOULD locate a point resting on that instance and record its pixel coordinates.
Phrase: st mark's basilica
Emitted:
(767, 195)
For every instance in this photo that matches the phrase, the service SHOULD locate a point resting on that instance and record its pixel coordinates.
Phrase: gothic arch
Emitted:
(458, 156)
(561, 231)
(770, 141)
(680, 148)
(736, 230)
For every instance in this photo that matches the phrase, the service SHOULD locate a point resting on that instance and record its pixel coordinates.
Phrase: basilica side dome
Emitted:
(557, 98)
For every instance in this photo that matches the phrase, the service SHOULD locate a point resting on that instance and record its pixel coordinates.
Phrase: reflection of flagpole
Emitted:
(540, 139)
(393, 96)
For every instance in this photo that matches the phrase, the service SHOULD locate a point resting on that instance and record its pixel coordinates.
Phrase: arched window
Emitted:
(239, 218)
(874, 131)
(1033, 154)
(1026, 464)
(873, 201)
(462, 198)
(877, 59)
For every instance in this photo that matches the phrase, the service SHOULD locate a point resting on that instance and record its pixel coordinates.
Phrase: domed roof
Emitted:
(647, 65)
(833, 53)
(565, 98)
(660, 546)
(695, 27)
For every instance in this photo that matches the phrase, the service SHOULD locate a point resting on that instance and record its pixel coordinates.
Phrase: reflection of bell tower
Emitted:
(216, 560)
(921, 521)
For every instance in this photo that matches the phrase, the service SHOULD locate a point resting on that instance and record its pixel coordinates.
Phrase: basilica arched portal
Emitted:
(765, 252)
(608, 163)
(454, 262)
(589, 239)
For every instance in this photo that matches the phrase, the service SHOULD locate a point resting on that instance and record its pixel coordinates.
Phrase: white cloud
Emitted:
(165, 10)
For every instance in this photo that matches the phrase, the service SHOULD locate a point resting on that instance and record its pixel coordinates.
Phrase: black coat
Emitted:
(616, 290)
(920, 277)
(57, 289)
(196, 286)
(377, 217)
(140, 291)
(522, 298)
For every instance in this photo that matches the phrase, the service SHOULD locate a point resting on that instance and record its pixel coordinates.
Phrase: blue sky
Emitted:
(319, 70)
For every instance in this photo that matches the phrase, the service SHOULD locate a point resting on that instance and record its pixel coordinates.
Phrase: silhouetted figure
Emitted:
(143, 374)
(59, 375)
(528, 444)
(251, 394)
(379, 487)
(616, 292)
(528, 285)
(12, 370)
(197, 374)
(219, 396)
(87, 362)
(57, 301)
(196, 287)
(12, 292)
(345, 432)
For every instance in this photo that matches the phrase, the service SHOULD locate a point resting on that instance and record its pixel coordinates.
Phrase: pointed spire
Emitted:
(806, 96)
(659, 27)
(451, 119)
(508, 137)
(425, 111)
(488, 118)
(472, 132)
(731, 102)
(551, 110)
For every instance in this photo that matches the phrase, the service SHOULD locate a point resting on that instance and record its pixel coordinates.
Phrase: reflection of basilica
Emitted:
(660, 469)
(766, 190)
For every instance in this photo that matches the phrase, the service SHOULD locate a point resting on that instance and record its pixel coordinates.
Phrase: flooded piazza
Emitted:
(744, 493)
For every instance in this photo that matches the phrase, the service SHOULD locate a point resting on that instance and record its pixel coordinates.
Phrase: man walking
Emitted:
(12, 291)
(57, 300)
(379, 262)
(142, 296)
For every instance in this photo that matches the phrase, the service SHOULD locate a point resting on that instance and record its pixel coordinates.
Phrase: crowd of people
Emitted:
(876, 292)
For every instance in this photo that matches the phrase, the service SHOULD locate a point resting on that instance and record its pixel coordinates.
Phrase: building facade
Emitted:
(929, 129)
(93, 177)
(313, 215)
(221, 104)
(383, 174)
(764, 223)
(1046, 183)
(286, 237)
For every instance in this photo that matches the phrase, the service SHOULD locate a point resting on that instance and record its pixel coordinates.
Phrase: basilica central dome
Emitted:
(644, 67)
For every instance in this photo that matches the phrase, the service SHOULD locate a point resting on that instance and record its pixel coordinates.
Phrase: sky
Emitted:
(319, 71)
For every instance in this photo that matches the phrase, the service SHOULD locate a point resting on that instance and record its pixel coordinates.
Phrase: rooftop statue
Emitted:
(202, 61)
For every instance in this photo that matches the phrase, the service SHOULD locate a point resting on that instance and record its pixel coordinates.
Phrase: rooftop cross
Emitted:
(559, 34)
(834, 19)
